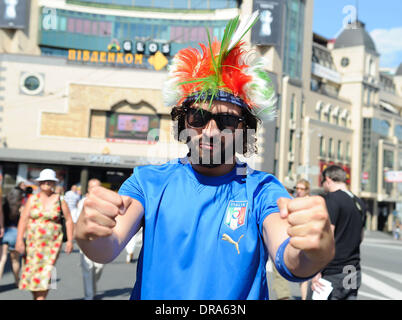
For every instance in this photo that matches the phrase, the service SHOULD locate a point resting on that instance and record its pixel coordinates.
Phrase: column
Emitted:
(84, 180)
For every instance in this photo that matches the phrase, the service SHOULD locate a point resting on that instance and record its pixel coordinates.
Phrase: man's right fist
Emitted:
(98, 215)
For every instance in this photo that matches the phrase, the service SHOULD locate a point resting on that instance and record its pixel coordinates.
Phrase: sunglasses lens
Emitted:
(227, 121)
(199, 118)
(196, 118)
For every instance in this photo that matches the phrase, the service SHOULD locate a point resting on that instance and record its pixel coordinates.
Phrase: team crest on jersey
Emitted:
(236, 214)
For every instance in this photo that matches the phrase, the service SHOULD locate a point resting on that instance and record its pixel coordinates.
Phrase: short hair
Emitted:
(335, 173)
(305, 183)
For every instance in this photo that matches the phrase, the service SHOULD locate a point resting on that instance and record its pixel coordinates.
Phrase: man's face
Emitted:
(209, 146)
(325, 184)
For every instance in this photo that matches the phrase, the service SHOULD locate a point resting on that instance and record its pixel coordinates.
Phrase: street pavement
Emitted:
(381, 279)
(116, 282)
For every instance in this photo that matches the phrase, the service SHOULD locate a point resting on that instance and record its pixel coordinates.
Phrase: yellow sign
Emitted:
(158, 61)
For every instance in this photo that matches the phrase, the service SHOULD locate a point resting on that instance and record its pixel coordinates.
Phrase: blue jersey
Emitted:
(202, 235)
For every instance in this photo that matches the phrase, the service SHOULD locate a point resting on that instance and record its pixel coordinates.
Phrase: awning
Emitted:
(388, 107)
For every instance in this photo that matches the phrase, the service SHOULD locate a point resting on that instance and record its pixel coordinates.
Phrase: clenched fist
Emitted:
(310, 228)
(98, 216)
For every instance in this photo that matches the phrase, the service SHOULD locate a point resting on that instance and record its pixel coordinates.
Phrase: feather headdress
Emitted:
(220, 72)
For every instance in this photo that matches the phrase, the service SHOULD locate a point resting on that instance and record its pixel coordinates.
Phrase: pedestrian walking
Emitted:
(280, 285)
(1, 218)
(91, 271)
(135, 242)
(72, 197)
(12, 209)
(303, 190)
(39, 224)
(396, 224)
(348, 215)
(209, 220)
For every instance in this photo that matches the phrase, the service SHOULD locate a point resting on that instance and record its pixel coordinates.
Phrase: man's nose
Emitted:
(211, 128)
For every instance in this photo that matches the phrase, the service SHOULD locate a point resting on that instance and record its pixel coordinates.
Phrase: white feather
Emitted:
(241, 29)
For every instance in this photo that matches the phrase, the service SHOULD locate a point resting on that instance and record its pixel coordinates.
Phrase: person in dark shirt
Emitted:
(12, 208)
(347, 215)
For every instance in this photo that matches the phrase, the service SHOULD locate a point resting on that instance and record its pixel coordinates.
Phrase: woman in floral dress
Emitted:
(40, 225)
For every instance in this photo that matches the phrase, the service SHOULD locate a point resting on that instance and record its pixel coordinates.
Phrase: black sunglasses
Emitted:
(198, 118)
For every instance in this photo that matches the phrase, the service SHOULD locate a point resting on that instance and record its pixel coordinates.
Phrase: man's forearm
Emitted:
(101, 250)
(299, 264)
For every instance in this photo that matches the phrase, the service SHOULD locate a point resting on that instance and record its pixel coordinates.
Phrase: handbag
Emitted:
(62, 222)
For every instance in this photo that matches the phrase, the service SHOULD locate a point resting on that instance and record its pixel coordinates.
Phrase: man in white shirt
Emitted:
(71, 198)
(91, 271)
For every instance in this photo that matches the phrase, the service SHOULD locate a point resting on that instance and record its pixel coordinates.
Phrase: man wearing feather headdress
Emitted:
(209, 222)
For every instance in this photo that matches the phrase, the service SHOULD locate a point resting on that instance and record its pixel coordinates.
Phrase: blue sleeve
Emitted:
(268, 195)
(132, 188)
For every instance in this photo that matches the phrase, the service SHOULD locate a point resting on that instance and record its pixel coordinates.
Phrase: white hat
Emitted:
(47, 175)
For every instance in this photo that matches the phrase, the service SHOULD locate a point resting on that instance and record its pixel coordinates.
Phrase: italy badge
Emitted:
(236, 214)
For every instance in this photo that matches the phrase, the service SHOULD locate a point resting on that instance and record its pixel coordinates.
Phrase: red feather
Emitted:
(232, 71)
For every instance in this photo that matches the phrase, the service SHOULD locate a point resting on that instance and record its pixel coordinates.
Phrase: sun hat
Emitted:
(47, 175)
(220, 72)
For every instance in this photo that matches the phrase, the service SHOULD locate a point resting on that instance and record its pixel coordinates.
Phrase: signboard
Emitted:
(326, 73)
(158, 61)
(393, 176)
(14, 14)
(132, 126)
(365, 177)
(268, 29)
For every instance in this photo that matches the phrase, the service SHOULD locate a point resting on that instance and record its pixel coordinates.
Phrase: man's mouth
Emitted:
(206, 146)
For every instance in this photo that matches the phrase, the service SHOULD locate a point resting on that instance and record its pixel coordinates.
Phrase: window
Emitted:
(330, 148)
(132, 126)
(31, 83)
(292, 62)
(319, 108)
(290, 168)
(381, 127)
(348, 151)
(291, 138)
(398, 132)
(322, 147)
(339, 150)
(292, 107)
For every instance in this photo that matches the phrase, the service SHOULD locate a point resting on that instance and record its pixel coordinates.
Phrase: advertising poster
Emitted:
(268, 29)
(14, 14)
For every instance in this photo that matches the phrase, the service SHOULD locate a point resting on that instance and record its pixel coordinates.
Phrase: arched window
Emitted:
(327, 112)
(335, 114)
(319, 109)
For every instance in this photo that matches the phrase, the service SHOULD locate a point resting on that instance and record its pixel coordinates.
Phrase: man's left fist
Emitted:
(310, 228)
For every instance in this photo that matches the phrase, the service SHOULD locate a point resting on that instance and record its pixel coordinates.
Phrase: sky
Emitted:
(383, 20)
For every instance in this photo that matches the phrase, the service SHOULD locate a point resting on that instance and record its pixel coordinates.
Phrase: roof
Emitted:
(355, 35)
